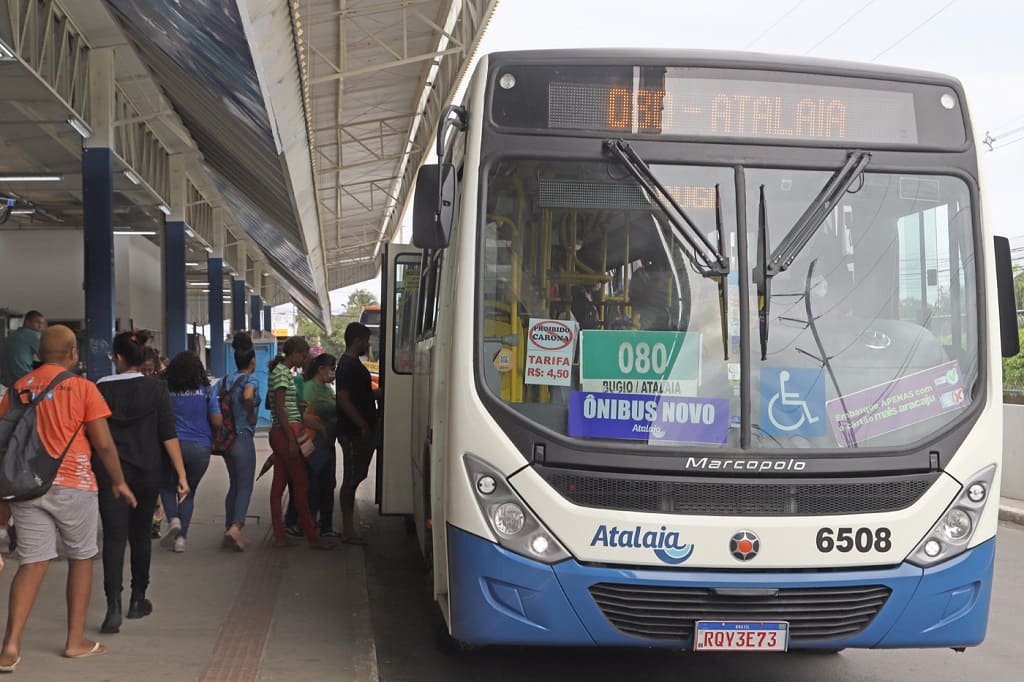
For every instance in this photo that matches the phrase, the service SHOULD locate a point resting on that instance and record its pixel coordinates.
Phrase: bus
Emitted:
(700, 350)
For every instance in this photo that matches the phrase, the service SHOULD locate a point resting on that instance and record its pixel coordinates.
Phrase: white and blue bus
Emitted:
(700, 350)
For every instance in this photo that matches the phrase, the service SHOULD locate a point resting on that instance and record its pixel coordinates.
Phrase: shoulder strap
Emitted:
(59, 379)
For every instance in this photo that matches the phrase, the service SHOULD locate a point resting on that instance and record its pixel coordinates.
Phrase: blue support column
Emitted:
(175, 330)
(255, 307)
(215, 275)
(237, 305)
(268, 318)
(98, 215)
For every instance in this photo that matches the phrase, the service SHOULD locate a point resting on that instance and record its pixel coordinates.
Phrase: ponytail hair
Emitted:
(131, 346)
(295, 344)
(315, 364)
(244, 350)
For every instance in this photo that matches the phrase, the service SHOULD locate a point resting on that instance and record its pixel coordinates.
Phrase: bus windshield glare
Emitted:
(597, 325)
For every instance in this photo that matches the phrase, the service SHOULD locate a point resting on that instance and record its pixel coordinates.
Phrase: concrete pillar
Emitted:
(237, 305)
(215, 302)
(255, 303)
(175, 307)
(98, 215)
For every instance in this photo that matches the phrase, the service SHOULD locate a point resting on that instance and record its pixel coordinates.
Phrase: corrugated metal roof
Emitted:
(378, 72)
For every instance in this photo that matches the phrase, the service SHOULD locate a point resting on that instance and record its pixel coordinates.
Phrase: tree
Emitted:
(335, 343)
(1013, 375)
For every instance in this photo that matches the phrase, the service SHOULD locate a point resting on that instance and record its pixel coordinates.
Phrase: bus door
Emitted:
(400, 281)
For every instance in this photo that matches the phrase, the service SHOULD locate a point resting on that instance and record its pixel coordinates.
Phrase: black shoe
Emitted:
(139, 607)
(112, 623)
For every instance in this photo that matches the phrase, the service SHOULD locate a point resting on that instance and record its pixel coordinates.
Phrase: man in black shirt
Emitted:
(357, 418)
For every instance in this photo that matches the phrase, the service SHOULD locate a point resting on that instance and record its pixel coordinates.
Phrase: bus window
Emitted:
(580, 245)
(405, 286)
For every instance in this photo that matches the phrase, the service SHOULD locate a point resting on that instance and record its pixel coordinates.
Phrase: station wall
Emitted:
(45, 271)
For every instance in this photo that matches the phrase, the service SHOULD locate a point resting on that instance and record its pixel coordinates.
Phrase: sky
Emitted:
(977, 41)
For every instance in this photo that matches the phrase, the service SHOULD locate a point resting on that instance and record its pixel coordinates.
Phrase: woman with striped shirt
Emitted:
(289, 464)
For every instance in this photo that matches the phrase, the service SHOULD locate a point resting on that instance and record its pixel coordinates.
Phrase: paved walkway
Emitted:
(264, 614)
(1011, 510)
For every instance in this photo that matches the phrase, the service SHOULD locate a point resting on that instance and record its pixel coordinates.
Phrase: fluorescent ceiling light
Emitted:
(6, 54)
(31, 178)
(135, 179)
(198, 284)
(133, 233)
(208, 249)
(189, 232)
(191, 264)
(164, 208)
(80, 128)
(22, 211)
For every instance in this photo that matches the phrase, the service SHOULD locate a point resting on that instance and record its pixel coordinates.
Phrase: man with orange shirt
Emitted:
(74, 412)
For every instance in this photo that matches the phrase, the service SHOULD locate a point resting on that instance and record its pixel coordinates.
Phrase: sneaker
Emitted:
(329, 534)
(171, 536)
(293, 531)
(155, 533)
(179, 544)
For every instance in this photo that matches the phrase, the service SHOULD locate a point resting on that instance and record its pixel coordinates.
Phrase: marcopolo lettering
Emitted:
(773, 465)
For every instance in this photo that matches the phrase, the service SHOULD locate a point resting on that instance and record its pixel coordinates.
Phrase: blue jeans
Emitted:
(240, 461)
(196, 457)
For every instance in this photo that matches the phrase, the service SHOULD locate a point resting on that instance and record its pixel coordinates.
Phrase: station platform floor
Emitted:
(261, 615)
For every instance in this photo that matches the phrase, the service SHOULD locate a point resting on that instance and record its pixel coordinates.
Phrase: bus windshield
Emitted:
(597, 325)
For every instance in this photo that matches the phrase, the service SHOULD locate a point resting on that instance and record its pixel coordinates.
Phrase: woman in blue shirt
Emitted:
(240, 459)
(196, 413)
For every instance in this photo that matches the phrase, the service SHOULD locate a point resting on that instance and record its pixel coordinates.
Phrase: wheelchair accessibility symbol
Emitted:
(792, 402)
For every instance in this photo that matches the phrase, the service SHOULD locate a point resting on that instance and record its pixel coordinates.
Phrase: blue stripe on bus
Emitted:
(498, 597)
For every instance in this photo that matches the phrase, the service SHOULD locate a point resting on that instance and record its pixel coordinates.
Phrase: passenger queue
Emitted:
(153, 427)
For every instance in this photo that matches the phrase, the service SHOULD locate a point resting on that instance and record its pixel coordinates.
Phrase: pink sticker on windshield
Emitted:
(888, 407)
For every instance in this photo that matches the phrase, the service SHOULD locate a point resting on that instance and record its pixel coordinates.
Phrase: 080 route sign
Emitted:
(550, 349)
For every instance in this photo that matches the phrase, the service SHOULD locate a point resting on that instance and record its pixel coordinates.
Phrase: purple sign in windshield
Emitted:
(649, 418)
(891, 406)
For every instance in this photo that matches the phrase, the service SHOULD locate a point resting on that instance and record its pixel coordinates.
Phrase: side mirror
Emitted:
(1007, 299)
(433, 212)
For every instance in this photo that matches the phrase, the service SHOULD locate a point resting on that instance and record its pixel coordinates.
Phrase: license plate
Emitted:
(716, 635)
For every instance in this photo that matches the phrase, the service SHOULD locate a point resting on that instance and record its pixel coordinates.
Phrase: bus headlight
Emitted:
(509, 518)
(515, 526)
(950, 536)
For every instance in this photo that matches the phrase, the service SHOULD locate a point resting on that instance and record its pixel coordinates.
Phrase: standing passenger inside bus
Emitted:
(357, 417)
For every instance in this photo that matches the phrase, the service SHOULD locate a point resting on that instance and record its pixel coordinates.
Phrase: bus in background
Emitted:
(700, 350)
(370, 316)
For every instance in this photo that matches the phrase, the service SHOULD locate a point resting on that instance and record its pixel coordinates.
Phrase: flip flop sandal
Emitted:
(96, 650)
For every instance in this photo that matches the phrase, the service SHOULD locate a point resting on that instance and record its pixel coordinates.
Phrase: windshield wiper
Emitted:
(779, 260)
(761, 279)
(706, 259)
(723, 285)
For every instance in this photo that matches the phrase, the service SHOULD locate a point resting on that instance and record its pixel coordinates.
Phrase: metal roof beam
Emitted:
(428, 56)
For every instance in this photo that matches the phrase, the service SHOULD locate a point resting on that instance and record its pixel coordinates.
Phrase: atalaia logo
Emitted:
(665, 543)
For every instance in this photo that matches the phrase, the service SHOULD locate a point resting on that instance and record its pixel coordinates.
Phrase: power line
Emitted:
(777, 22)
(838, 28)
(1007, 144)
(915, 29)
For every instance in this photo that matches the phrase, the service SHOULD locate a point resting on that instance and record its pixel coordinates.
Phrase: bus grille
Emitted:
(739, 498)
(669, 613)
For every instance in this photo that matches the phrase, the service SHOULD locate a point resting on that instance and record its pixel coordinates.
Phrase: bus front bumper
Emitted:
(498, 597)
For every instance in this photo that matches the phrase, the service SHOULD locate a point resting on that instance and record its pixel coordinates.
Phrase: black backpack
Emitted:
(27, 470)
(223, 441)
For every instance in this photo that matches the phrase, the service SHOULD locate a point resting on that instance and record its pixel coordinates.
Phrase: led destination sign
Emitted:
(705, 107)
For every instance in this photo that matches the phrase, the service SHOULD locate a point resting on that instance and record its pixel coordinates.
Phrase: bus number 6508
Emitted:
(849, 539)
